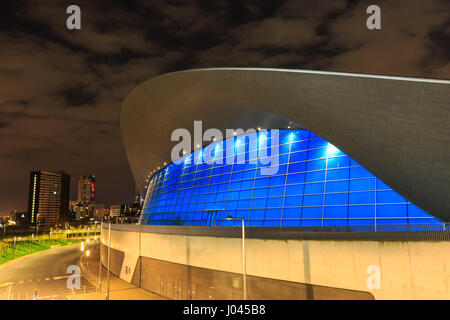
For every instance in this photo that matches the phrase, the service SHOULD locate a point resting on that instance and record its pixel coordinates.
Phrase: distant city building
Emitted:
(4, 220)
(19, 218)
(125, 213)
(86, 189)
(73, 205)
(138, 198)
(80, 211)
(48, 202)
(72, 210)
(76, 210)
(115, 210)
(99, 211)
(131, 210)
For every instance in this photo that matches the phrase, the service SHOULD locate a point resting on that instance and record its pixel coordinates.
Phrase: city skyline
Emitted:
(79, 191)
(60, 109)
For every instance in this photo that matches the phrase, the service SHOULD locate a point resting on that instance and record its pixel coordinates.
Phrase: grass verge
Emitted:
(24, 248)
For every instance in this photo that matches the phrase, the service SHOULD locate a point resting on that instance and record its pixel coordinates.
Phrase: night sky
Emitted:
(61, 91)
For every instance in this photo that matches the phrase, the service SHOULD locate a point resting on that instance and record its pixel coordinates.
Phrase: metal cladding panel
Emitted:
(397, 128)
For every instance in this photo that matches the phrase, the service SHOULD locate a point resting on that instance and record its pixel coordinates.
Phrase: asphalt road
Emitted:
(44, 273)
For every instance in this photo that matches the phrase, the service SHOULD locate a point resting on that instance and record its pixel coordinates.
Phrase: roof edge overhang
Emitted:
(396, 127)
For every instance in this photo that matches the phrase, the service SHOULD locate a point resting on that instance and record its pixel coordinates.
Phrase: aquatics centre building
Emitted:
(361, 180)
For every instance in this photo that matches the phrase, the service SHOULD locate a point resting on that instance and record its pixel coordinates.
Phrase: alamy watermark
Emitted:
(73, 21)
(373, 281)
(373, 22)
(252, 146)
(74, 280)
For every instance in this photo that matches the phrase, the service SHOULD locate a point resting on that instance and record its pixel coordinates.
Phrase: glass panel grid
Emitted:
(315, 185)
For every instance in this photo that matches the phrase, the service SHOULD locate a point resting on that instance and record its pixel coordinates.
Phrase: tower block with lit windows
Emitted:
(86, 189)
(86, 197)
(48, 202)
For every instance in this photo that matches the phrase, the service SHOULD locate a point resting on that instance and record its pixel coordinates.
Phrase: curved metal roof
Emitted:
(398, 128)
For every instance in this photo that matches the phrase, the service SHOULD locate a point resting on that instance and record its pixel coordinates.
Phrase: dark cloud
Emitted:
(4, 124)
(16, 23)
(440, 41)
(23, 103)
(116, 59)
(78, 95)
(61, 90)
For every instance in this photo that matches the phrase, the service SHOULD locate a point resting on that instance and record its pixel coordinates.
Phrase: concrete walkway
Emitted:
(119, 289)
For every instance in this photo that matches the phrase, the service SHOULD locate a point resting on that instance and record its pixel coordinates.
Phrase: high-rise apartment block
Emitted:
(86, 189)
(48, 202)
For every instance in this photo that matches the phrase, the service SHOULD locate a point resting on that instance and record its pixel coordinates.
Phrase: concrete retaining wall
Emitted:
(297, 269)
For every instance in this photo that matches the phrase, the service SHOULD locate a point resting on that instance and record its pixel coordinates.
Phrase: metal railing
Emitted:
(394, 227)
(385, 232)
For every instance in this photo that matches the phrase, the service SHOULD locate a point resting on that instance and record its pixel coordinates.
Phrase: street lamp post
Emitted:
(14, 255)
(244, 271)
(87, 260)
(109, 261)
(100, 263)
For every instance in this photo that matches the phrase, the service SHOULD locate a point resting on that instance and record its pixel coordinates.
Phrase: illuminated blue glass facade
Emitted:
(314, 185)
